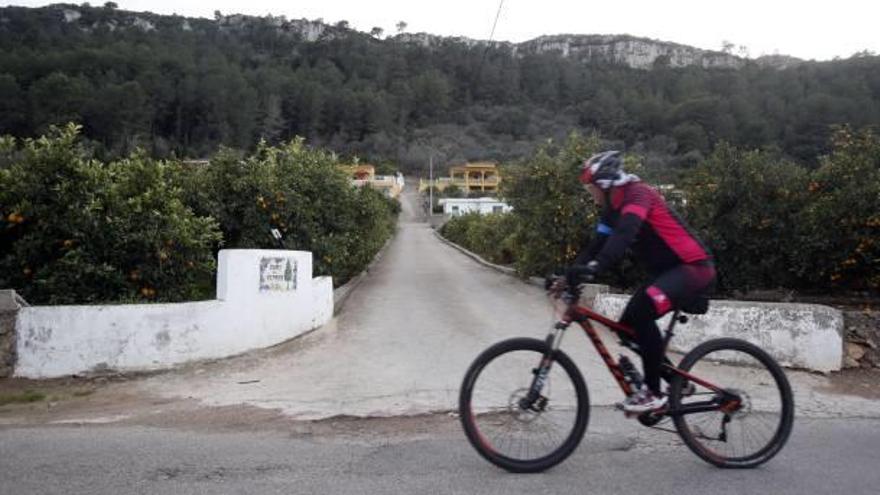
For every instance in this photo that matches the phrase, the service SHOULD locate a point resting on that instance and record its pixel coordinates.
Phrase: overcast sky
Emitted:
(810, 30)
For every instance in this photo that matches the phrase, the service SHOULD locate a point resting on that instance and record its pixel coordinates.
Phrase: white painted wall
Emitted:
(483, 206)
(805, 336)
(249, 313)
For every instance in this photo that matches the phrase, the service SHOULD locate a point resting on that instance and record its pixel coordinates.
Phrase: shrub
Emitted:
(841, 224)
(303, 193)
(487, 235)
(554, 214)
(774, 224)
(746, 205)
(74, 229)
(769, 222)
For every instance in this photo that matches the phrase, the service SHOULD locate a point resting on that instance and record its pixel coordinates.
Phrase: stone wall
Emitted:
(862, 339)
(7, 343)
(9, 306)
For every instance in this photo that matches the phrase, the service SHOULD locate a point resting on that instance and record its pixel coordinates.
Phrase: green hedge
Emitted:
(489, 236)
(775, 224)
(553, 214)
(74, 229)
(770, 222)
(303, 193)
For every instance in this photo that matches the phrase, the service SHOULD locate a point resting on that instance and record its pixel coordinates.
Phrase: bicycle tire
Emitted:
(481, 439)
(698, 442)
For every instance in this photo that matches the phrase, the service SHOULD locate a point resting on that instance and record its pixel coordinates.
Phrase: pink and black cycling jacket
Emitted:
(639, 218)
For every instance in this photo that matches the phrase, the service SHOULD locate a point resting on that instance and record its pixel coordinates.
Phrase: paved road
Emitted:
(425, 455)
(400, 346)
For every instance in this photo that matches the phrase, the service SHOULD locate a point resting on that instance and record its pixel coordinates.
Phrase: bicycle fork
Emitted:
(534, 400)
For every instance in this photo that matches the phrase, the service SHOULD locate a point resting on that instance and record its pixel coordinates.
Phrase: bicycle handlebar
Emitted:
(557, 286)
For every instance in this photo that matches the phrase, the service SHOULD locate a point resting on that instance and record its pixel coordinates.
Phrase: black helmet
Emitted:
(602, 169)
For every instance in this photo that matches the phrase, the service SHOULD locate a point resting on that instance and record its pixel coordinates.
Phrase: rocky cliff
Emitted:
(639, 53)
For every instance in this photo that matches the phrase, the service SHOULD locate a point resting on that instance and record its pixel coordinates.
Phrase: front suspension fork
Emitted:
(540, 374)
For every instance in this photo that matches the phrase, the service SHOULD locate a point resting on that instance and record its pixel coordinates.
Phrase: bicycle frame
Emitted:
(584, 316)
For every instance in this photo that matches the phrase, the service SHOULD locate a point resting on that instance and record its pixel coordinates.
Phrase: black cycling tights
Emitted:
(674, 288)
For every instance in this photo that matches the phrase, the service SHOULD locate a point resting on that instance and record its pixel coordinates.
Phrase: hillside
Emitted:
(184, 86)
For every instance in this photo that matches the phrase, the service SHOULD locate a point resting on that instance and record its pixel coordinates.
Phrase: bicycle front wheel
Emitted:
(741, 433)
(516, 430)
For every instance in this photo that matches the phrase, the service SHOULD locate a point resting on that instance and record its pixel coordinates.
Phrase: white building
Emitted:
(483, 206)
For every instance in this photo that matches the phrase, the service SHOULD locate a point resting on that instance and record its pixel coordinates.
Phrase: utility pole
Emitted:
(431, 185)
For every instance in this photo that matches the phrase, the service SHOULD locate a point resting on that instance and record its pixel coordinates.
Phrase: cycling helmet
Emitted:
(603, 169)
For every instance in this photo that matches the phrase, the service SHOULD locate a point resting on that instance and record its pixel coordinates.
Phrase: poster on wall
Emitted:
(277, 274)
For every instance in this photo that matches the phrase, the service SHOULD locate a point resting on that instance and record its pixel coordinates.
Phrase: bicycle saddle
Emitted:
(698, 306)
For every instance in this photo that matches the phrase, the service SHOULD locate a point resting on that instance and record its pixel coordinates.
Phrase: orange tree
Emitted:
(774, 224)
(747, 206)
(74, 229)
(553, 213)
(842, 220)
(304, 194)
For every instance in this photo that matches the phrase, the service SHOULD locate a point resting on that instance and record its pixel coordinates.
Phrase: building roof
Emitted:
(475, 165)
(470, 200)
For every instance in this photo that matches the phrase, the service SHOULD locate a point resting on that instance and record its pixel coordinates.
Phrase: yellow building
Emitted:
(365, 175)
(470, 177)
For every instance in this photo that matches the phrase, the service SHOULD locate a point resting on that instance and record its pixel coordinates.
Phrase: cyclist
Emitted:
(635, 215)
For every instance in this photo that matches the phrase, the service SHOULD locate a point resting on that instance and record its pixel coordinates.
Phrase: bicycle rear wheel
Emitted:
(741, 433)
(511, 429)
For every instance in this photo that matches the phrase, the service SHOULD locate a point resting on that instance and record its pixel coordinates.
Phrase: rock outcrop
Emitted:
(631, 51)
(638, 53)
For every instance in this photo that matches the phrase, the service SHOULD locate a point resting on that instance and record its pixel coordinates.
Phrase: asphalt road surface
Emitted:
(418, 455)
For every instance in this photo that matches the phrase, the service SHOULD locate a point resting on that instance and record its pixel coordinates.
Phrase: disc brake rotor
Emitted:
(525, 414)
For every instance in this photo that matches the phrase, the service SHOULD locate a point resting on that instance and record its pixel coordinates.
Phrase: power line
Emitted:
(488, 42)
(497, 15)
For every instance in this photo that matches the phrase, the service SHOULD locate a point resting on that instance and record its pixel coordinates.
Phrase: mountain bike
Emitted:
(524, 404)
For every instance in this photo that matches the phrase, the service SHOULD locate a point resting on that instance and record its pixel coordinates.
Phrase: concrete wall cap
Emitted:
(11, 301)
